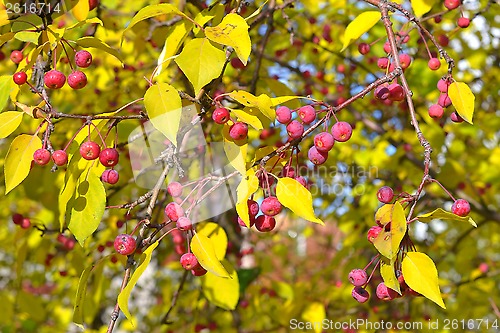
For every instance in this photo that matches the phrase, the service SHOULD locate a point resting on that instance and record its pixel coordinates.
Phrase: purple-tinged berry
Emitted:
(271, 206)
(283, 114)
(265, 223)
(307, 114)
(324, 142)
(316, 156)
(358, 277)
(110, 176)
(341, 131)
(360, 294)
(295, 129)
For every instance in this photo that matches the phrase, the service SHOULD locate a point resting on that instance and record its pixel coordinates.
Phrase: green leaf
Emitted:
(444, 215)
(5, 88)
(94, 42)
(420, 7)
(87, 205)
(18, 160)
(297, 198)
(216, 234)
(125, 293)
(220, 291)
(421, 275)
(262, 102)
(9, 122)
(361, 24)
(204, 251)
(387, 242)
(82, 290)
(389, 275)
(175, 37)
(28, 36)
(462, 99)
(164, 107)
(201, 62)
(232, 31)
(248, 186)
(314, 313)
(152, 11)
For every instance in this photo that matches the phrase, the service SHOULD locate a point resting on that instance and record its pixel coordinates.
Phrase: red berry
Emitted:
(385, 293)
(253, 208)
(444, 100)
(434, 64)
(242, 223)
(174, 189)
(184, 223)
(77, 80)
(387, 47)
(174, 211)
(20, 78)
(463, 22)
(383, 63)
(54, 79)
(237, 63)
(283, 114)
(460, 207)
(60, 157)
(436, 111)
(452, 4)
(385, 194)
(90, 150)
(382, 92)
(238, 131)
(93, 4)
(288, 171)
(443, 40)
(341, 131)
(41, 156)
(405, 60)
(16, 56)
(198, 271)
(110, 176)
(358, 277)
(17, 218)
(364, 48)
(83, 58)
(265, 223)
(360, 294)
(316, 156)
(295, 129)
(443, 85)
(25, 223)
(125, 244)
(301, 180)
(324, 142)
(220, 115)
(307, 114)
(109, 157)
(189, 261)
(373, 233)
(271, 206)
(396, 92)
(455, 117)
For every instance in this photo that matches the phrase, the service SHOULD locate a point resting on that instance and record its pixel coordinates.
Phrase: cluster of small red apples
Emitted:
(359, 277)
(55, 79)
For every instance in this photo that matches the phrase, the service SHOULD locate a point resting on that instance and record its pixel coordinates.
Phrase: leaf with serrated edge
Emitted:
(125, 293)
(361, 24)
(222, 292)
(462, 99)
(232, 31)
(421, 275)
(216, 234)
(444, 215)
(9, 122)
(204, 251)
(201, 62)
(248, 186)
(297, 198)
(389, 275)
(18, 160)
(387, 242)
(164, 107)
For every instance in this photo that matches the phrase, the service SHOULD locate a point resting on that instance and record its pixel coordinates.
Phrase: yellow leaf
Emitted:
(6, 84)
(87, 21)
(314, 313)
(297, 198)
(32, 111)
(236, 154)
(152, 11)
(462, 99)
(164, 107)
(125, 293)
(175, 37)
(262, 102)
(222, 292)
(81, 10)
(421, 275)
(4, 17)
(232, 31)
(246, 188)
(54, 35)
(9, 122)
(361, 24)
(19, 158)
(4, 38)
(387, 242)
(28, 36)
(389, 275)
(249, 116)
(204, 251)
(420, 7)
(216, 234)
(283, 99)
(444, 215)
(201, 62)
(98, 44)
